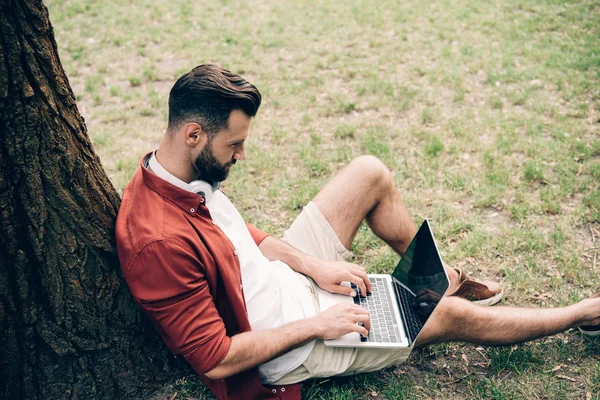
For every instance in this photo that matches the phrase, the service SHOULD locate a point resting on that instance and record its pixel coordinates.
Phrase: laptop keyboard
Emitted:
(384, 326)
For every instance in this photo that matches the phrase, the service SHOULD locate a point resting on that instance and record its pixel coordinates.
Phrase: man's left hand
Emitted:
(329, 274)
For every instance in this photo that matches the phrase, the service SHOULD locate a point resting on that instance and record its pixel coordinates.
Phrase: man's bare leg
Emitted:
(456, 319)
(365, 189)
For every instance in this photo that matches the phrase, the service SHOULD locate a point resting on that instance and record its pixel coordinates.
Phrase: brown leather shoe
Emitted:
(592, 331)
(484, 293)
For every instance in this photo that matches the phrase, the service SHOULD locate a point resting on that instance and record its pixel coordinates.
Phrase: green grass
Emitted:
(486, 112)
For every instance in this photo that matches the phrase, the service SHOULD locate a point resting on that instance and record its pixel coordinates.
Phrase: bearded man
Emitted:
(240, 305)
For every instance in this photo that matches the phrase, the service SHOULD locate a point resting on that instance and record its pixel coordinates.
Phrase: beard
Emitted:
(209, 168)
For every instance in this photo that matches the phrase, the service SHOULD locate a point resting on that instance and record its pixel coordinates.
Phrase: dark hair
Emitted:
(207, 95)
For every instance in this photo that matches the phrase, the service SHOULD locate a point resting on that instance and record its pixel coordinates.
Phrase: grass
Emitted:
(487, 113)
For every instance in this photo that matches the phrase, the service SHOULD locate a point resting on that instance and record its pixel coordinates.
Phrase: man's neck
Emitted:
(174, 164)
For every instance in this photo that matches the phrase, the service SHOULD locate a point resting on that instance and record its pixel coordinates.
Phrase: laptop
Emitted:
(396, 318)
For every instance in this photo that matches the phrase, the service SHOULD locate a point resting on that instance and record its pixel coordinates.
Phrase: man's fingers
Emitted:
(363, 317)
(346, 317)
(362, 329)
(361, 272)
(357, 280)
(345, 290)
(348, 291)
(360, 311)
(365, 321)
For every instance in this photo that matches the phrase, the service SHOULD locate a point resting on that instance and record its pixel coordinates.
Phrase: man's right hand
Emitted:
(342, 318)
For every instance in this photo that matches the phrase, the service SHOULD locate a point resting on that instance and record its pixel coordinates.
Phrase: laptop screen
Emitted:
(421, 270)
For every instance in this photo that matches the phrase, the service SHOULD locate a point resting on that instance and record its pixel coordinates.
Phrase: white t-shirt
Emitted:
(275, 295)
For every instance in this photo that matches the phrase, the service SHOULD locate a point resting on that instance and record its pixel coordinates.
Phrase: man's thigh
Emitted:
(347, 199)
(312, 234)
(325, 361)
(369, 360)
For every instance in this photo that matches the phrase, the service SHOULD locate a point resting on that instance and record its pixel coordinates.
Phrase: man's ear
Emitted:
(194, 135)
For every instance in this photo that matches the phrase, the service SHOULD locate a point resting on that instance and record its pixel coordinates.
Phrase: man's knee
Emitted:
(371, 170)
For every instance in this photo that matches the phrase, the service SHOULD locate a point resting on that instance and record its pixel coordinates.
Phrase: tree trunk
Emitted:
(69, 328)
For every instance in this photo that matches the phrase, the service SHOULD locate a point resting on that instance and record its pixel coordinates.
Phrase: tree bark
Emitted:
(69, 327)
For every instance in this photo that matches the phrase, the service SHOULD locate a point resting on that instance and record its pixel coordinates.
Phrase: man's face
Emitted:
(224, 149)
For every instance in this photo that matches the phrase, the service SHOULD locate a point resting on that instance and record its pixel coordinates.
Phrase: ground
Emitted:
(487, 112)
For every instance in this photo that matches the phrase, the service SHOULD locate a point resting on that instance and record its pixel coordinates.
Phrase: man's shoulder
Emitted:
(145, 217)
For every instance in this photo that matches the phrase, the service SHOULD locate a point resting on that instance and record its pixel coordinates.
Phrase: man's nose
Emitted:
(240, 155)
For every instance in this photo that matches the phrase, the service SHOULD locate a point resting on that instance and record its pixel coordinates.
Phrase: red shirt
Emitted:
(185, 274)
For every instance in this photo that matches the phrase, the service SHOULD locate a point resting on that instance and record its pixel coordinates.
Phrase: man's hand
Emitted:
(329, 275)
(341, 319)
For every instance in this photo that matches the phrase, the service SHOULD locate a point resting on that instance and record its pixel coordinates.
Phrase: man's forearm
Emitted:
(276, 249)
(250, 349)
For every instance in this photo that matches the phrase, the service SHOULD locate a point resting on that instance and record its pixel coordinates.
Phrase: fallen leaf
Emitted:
(556, 368)
(374, 394)
(588, 396)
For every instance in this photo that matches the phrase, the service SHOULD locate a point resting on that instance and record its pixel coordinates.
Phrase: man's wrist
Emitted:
(309, 265)
(302, 263)
(297, 262)
(315, 327)
(276, 249)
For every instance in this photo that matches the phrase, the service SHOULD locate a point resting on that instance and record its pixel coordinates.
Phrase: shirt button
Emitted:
(274, 390)
(235, 252)
(192, 210)
(241, 286)
(282, 389)
(202, 200)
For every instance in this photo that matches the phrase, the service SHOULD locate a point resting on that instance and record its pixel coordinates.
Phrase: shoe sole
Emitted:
(491, 301)
(590, 333)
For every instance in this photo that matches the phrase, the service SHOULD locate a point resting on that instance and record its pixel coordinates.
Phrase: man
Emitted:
(240, 305)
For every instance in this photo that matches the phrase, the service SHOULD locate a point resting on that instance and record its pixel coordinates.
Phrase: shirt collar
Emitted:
(185, 199)
(203, 188)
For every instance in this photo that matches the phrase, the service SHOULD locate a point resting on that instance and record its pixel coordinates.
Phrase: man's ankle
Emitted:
(453, 277)
(587, 312)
